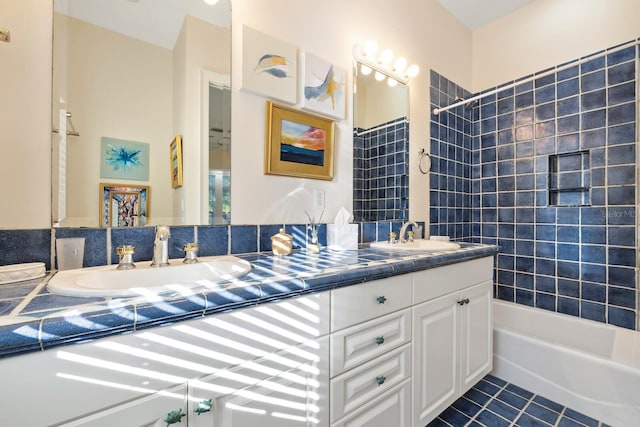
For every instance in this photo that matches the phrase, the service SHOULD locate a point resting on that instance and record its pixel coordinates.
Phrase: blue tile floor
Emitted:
(496, 403)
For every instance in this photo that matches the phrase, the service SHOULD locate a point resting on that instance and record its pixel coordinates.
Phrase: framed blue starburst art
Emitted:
(122, 159)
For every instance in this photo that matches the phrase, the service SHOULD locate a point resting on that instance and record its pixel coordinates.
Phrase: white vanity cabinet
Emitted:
(390, 352)
(178, 366)
(452, 340)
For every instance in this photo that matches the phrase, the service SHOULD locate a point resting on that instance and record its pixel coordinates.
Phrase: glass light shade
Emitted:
(413, 71)
(379, 76)
(386, 56)
(365, 70)
(211, 2)
(392, 82)
(400, 64)
(370, 48)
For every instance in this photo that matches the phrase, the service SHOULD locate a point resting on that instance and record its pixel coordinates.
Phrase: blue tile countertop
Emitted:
(32, 319)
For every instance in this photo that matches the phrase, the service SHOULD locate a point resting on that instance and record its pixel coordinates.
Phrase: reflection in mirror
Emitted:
(380, 146)
(217, 113)
(129, 71)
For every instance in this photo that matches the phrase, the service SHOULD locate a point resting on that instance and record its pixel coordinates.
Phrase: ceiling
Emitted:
(154, 21)
(476, 13)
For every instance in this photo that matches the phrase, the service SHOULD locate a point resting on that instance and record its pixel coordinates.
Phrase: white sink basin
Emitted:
(107, 281)
(418, 245)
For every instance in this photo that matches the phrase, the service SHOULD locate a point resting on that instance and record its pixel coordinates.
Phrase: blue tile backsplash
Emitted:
(20, 246)
(546, 170)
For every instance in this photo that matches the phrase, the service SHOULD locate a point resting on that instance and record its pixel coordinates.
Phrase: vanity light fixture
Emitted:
(395, 71)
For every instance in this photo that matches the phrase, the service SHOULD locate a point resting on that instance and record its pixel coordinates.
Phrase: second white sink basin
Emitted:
(418, 245)
(107, 281)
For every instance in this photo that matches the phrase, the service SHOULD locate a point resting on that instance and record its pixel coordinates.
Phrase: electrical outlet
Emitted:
(318, 198)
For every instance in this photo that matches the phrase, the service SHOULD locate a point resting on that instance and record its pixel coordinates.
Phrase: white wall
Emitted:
(329, 29)
(546, 33)
(25, 115)
(420, 30)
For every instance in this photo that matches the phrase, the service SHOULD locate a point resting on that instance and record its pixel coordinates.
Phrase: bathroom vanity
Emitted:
(371, 337)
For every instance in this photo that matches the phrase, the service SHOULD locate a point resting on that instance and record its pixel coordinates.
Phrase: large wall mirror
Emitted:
(129, 77)
(380, 146)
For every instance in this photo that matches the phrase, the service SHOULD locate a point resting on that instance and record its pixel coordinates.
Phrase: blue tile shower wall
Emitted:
(380, 169)
(451, 150)
(567, 247)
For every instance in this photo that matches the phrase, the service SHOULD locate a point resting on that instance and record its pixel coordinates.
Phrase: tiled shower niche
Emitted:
(546, 170)
(569, 179)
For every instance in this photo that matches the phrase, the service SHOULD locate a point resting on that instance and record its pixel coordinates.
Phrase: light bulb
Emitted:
(211, 2)
(392, 82)
(370, 48)
(413, 71)
(379, 76)
(400, 64)
(365, 70)
(385, 57)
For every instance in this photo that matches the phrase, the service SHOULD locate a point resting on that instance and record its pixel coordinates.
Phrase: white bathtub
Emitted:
(588, 366)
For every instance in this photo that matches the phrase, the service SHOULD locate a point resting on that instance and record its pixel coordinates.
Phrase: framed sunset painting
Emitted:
(298, 143)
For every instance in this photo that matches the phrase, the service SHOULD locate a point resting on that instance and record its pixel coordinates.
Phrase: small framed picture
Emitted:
(123, 205)
(175, 153)
(298, 143)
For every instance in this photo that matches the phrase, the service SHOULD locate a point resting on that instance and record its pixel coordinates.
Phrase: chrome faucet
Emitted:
(161, 246)
(403, 231)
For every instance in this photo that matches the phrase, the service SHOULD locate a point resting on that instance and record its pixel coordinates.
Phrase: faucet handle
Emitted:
(190, 253)
(410, 234)
(125, 257)
(392, 238)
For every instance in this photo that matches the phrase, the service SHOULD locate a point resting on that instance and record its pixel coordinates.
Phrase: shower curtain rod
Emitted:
(437, 111)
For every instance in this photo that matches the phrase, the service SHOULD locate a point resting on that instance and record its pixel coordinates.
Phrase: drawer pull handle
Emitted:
(381, 299)
(379, 340)
(380, 380)
(204, 406)
(464, 301)
(175, 417)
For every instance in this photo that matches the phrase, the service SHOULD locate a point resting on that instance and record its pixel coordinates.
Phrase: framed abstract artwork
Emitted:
(269, 66)
(175, 156)
(324, 87)
(120, 159)
(298, 144)
(124, 205)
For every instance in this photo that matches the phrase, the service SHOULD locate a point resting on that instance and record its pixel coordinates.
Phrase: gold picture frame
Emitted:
(175, 157)
(298, 143)
(124, 205)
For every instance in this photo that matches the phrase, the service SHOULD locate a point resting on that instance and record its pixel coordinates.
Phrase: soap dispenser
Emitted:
(281, 243)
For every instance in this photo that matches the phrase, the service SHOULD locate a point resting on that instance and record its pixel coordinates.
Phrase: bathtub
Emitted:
(587, 366)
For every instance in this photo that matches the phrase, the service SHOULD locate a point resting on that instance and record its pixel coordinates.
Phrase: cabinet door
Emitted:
(295, 398)
(435, 357)
(476, 334)
(168, 407)
(393, 408)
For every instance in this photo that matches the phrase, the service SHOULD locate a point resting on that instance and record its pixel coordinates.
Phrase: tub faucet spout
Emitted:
(161, 246)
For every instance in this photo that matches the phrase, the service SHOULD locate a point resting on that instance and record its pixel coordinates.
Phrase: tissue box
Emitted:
(342, 237)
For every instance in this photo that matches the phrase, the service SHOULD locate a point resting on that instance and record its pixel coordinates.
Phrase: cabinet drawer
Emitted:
(393, 408)
(361, 385)
(435, 282)
(356, 304)
(358, 344)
